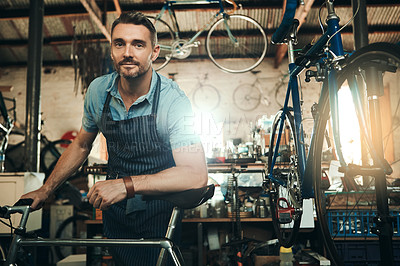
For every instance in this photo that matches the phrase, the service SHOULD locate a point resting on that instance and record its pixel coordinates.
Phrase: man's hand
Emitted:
(105, 193)
(39, 196)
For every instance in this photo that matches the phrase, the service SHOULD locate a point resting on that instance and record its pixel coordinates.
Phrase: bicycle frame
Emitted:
(19, 240)
(186, 199)
(330, 86)
(5, 129)
(168, 6)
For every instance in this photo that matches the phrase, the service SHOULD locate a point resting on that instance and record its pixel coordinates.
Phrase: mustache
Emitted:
(129, 61)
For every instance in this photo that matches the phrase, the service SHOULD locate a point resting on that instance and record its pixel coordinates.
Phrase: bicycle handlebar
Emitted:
(287, 22)
(21, 206)
(3, 212)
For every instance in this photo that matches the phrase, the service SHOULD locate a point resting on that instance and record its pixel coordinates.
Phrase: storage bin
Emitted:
(358, 223)
(366, 252)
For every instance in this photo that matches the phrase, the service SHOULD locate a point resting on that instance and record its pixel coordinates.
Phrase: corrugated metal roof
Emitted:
(59, 25)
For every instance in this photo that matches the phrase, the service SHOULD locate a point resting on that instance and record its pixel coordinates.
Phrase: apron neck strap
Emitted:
(156, 95)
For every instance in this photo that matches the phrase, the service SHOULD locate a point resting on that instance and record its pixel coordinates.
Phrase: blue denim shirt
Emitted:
(175, 119)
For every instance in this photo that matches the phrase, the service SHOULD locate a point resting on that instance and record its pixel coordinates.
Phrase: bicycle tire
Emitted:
(285, 170)
(206, 98)
(238, 57)
(165, 38)
(50, 154)
(337, 221)
(246, 97)
(70, 220)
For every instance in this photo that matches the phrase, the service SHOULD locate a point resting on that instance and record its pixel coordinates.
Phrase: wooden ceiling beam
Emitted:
(96, 19)
(95, 8)
(117, 7)
(95, 37)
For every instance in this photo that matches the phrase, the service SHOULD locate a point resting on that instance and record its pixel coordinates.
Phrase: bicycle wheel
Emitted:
(236, 43)
(346, 207)
(69, 229)
(165, 38)
(246, 97)
(284, 191)
(206, 98)
(51, 153)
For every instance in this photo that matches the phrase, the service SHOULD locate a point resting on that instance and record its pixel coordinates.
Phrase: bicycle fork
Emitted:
(383, 220)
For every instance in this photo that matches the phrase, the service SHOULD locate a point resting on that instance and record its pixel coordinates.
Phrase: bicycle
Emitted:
(205, 97)
(11, 154)
(294, 175)
(182, 200)
(49, 154)
(227, 41)
(6, 127)
(249, 96)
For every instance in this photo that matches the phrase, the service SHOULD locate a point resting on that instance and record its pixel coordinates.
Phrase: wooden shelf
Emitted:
(236, 168)
(93, 221)
(224, 220)
(358, 238)
(204, 220)
(6, 88)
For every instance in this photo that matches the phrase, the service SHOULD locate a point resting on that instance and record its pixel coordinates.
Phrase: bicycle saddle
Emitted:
(186, 199)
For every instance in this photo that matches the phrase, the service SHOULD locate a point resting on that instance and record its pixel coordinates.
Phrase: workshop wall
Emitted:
(62, 109)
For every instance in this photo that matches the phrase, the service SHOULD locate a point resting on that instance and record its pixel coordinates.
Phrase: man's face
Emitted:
(131, 50)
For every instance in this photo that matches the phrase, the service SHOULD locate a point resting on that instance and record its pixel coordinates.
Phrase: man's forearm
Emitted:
(174, 179)
(69, 162)
(190, 172)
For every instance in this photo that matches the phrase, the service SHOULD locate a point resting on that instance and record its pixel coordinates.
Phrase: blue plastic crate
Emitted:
(358, 223)
(355, 253)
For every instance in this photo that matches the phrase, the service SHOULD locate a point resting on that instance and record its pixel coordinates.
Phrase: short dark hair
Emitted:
(136, 18)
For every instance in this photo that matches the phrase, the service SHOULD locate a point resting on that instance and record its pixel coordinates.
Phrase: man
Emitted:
(142, 115)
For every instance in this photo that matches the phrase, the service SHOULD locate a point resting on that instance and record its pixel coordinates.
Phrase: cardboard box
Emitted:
(12, 187)
(266, 260)
(73, 260)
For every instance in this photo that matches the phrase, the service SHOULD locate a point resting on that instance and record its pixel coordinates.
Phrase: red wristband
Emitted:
(130, 190)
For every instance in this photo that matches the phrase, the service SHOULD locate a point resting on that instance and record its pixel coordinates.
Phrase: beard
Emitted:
(132, 73)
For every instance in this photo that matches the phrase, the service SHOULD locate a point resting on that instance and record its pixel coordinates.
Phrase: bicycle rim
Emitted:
(206, 98)
(165, 38)
(246, 97)
(67, 230)
(286, 226)
(243, 50)
(346, 205)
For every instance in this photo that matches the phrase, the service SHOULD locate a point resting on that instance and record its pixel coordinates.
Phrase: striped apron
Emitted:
(135, 148)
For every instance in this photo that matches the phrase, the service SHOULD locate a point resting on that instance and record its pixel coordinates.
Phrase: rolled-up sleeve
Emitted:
(88, 120)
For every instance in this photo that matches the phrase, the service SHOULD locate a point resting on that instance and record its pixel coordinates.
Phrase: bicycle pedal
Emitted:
(284, 218)
(285, 213)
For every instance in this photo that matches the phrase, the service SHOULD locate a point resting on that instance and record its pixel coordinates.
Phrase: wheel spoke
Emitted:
(286, 202)
(240, 49)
